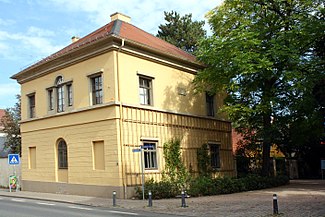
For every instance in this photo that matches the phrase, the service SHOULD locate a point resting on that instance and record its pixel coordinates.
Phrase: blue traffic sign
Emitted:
(13, 159)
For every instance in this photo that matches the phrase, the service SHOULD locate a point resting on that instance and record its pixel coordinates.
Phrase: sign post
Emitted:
(13, 159)
(322, 167)
(139, 150)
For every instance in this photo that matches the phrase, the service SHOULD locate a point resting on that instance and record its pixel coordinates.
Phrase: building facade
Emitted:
(88, 108)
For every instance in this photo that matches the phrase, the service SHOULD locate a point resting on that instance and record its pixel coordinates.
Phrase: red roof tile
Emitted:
(133, 33)
(122, 30)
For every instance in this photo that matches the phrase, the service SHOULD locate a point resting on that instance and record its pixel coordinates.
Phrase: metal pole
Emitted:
(142, 170)
(150, 199)
(183, 199)
(114, 198)
(275, 205)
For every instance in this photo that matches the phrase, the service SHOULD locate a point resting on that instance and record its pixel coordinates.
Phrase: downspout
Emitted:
(120, 119)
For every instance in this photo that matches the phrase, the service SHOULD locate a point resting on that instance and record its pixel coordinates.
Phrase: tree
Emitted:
(181, 31)
(11, 125)
(265, 56)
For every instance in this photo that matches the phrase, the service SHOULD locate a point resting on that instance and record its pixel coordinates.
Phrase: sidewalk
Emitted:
(299, 198)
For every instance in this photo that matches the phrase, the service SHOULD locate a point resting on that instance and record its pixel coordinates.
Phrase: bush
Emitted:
(205, 186)
(202, 186)
(159, 190)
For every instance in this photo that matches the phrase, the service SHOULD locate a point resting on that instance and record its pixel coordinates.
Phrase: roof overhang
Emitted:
(101, 46)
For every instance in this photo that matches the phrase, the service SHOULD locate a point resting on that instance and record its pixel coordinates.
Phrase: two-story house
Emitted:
(88, 107)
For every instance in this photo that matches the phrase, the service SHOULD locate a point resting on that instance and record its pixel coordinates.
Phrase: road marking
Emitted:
(123, 213)
(46, 204)
(79, 207)
(19, 200)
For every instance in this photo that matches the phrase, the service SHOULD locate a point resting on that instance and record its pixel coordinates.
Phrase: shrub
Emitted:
(159, 190)
(202, 186)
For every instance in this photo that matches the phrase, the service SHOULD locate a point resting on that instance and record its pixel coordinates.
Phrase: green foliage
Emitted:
(159, 190)
(175, 170)
(267, 56)
(204, 186)
(12, 128)
(204, 161)
(181, 31)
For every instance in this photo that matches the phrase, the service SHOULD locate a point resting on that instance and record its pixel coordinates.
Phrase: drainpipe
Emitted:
(121, 116)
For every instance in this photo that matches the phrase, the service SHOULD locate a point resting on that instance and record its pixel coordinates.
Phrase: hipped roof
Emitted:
(126, 31)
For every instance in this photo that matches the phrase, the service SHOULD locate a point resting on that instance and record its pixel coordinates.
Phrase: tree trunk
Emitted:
(266, 145)
(267, 127)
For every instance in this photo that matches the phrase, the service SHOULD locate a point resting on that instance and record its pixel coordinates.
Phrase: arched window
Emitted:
(62, 155)
(60, 94)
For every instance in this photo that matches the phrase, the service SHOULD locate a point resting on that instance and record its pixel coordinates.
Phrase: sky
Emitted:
(33, 29)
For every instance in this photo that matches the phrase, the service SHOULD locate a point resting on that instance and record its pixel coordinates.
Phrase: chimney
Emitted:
(120, 16)
(74, 39)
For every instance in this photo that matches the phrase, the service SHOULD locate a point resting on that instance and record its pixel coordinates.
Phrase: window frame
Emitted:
(145, 98)
(96, 93)
(210, 104)
(69, 94)
(150, 155)
(214, 152)
(50, 93)
(59, 94)
(31, 105)
(62, 149)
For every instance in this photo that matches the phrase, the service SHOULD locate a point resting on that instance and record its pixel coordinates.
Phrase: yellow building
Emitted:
(87, 108)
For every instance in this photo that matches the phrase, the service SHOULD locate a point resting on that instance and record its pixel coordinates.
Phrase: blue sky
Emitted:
(33, 29)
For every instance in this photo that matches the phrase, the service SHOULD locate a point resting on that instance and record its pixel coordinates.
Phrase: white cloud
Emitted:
(35, 42)
(146, 14)
(9, 89)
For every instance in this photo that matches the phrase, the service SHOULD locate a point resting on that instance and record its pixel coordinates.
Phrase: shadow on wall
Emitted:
(183, 98)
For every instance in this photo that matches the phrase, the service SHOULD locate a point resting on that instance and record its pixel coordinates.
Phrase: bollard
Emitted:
(150, 199)
(275, 205)
(114, 198)
(183, 199)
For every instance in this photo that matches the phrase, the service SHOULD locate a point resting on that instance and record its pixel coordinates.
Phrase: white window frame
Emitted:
(151, 153)
(145, 92)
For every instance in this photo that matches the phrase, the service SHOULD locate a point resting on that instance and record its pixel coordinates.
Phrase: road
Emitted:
(18, 207)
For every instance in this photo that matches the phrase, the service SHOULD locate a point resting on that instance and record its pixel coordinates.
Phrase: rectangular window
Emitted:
(215, 155)
(32, 158)
(98, 155)
(60, 98)
(31, 102)
(97, 90)
(210, 104)
(69, 91)
(145, 91)
(150, 155)
(51, 99)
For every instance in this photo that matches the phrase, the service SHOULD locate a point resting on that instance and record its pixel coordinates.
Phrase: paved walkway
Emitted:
(299, 198)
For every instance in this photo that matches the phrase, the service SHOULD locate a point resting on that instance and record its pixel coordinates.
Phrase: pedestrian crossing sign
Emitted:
(13, 159)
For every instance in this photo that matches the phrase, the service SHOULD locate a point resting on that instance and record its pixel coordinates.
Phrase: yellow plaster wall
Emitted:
(192, 131)
(78, 74)
(79, 138)
(167, 80)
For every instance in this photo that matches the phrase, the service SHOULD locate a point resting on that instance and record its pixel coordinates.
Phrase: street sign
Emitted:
(323, 164)
(136, 150)
(13, 159)
(147, 146)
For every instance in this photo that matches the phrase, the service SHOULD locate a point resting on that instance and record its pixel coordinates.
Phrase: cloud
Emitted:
(38, 42)
(9, 89)
(146, 14)
(6, 22)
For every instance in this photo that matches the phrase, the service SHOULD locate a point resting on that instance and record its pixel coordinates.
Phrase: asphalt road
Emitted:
(17, 207)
